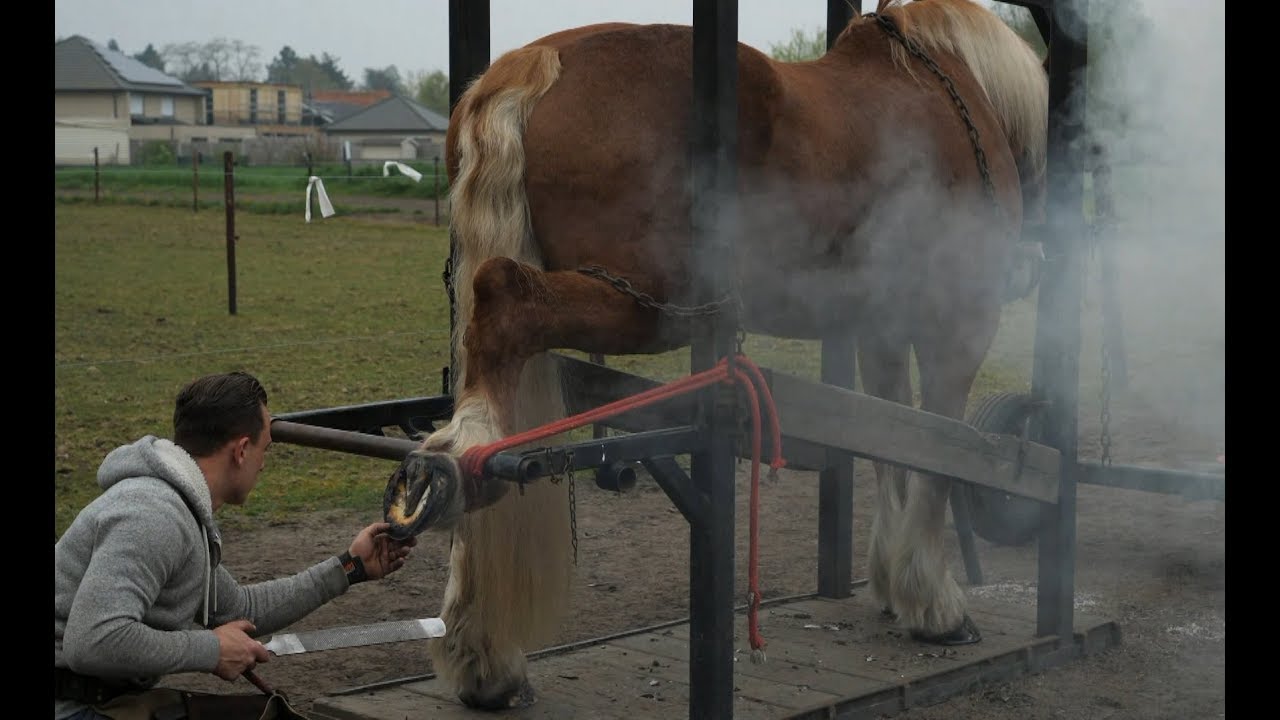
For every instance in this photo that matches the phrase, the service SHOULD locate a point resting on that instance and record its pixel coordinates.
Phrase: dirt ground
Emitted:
(1153, 563)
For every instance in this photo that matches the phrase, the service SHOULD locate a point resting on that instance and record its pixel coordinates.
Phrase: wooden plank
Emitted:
(815, 681)
(826, 658)
(878, 429)
(815, 416)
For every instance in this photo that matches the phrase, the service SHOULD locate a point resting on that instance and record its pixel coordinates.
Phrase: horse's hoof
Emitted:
(520, 697)
(421, 493)
(965, 634)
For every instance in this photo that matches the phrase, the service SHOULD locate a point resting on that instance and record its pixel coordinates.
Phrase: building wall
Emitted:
(377, 146)
(186, 108)
(233, 103)
(90, 104)
(74, 141)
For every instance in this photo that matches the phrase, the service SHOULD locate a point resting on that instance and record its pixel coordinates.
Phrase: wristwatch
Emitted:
(353, 566)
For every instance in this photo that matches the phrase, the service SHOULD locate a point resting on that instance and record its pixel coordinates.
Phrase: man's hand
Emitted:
(237, 651)
(381, 554)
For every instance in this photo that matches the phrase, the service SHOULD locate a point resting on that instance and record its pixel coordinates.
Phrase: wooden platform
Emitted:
(825, 659)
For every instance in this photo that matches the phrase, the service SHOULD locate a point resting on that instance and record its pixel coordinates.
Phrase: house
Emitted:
(102, 99)
(334, 105)
(395, 128)
(275, 109)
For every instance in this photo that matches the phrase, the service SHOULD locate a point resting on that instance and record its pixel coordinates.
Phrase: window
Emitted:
(253, 105)
(166, 106)
(135, 104)
(281, 116)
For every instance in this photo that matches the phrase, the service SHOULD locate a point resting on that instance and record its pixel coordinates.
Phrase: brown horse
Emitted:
(873, 202)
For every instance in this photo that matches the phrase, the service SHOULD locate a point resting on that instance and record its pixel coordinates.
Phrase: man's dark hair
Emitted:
(216, 408)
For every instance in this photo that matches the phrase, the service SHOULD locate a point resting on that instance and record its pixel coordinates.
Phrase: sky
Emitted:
(412, 35)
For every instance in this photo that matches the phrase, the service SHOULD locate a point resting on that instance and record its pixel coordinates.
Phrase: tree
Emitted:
(283, 68)
(151, 58)
(218, 59)
(113, 45)
(800, 47)
(329, 65)
(387, 78)
(430, 89)
(311, 74)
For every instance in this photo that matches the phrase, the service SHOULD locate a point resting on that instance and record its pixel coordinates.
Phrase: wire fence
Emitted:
(263, 188)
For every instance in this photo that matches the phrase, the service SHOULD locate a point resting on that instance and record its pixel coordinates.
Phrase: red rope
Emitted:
(473, 459)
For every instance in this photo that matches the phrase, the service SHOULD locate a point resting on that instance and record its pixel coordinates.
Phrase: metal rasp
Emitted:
(355, 636)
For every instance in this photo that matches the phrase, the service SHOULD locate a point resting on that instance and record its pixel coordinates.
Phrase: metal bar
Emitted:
(468, 44)
(1056, 368)
(229, 200)
(356, 443)
(527, 465)
(673, 479)
(835, 483)
(468, 57)
(713, 215)
(367, 416)
(1191, 485)
(964, 532)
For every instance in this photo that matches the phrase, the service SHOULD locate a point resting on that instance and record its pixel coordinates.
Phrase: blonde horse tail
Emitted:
(510, 562)
(1002, 62)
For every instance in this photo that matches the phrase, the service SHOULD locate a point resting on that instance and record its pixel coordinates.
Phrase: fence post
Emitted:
(95, 174)
(195, 180)
(229, 184)
(437, 193)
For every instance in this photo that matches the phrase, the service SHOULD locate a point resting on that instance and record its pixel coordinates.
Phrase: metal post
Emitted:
(229, 199)
(714, 143)
(468, 57)
(95, 175)
(835, 485)
(835, 481)
(1056, 368)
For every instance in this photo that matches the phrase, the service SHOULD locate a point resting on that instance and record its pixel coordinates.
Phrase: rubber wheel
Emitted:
(998, 516)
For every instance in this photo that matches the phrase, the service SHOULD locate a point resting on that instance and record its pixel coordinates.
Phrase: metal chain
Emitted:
(624, 286)
(978, 152)
(1104, 437)
(573, 508)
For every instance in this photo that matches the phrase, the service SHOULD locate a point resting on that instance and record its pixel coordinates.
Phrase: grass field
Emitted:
(344, 311)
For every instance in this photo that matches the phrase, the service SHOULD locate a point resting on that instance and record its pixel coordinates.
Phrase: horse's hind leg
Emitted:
(926, 596)
(885, 370)
(509, 566)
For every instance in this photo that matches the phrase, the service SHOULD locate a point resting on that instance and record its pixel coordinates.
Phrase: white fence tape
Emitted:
(404, 170)
(326, 208)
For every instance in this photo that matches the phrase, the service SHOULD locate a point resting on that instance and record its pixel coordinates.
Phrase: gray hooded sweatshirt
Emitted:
(138, 581)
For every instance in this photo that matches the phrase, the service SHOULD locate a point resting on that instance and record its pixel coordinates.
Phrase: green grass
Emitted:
(364, 179)
(335, 312)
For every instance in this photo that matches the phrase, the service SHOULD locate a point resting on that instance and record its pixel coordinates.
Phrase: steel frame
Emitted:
(705, 496)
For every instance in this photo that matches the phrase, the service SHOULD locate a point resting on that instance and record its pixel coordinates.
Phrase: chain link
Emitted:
(624, 286)
(892, 30)
(573, 508)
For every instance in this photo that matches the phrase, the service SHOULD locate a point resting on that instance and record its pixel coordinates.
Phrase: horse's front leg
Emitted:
(508, 383)
(510, 560)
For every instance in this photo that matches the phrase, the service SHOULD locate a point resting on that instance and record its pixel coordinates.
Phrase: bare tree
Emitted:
(217, 59)
(244, 61)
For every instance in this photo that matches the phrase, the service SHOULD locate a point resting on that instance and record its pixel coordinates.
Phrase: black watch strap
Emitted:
(353, 566)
